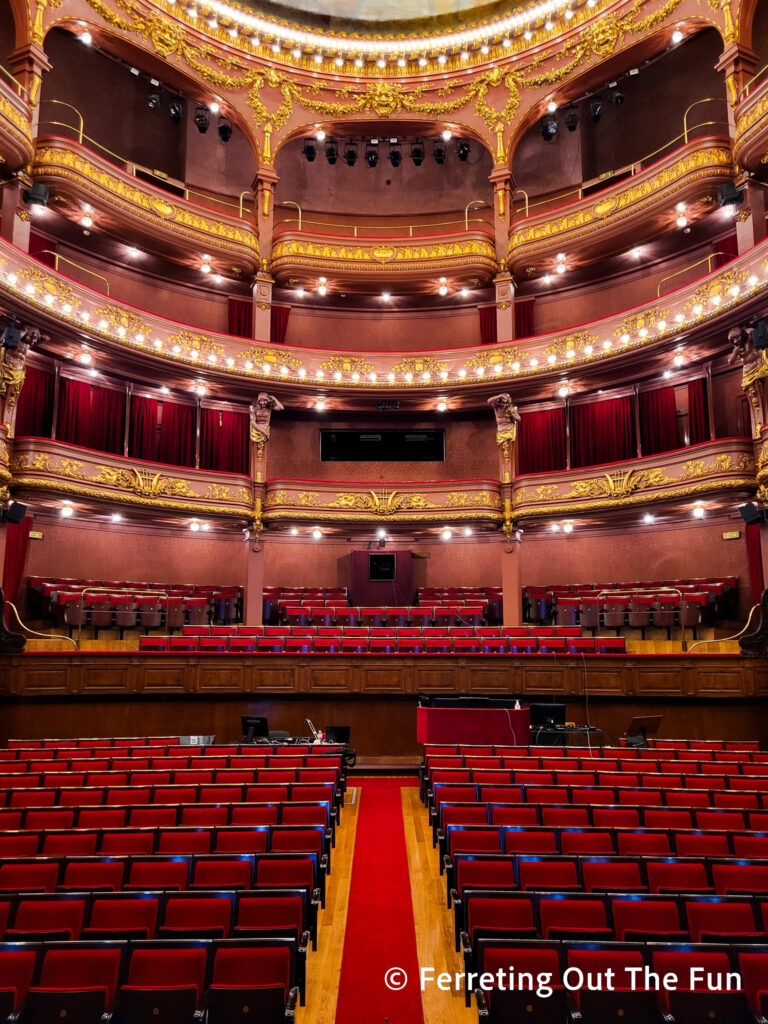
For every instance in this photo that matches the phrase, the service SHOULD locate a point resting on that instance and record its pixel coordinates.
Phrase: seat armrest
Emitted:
(482, 1004)
(304, 942)
(290, 1006)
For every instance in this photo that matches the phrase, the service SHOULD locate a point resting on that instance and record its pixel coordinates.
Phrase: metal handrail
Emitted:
(11, 77)
(243, 194)
(108, 590)
(707, 99)
(632, 168)
(745, 89)
(707, 260)
(521, 191)
(130, 165)
(290, 202)
(727, 639)
(33, 632)
(357, 228)
(472, 202)
(654, 590)
(57, 256)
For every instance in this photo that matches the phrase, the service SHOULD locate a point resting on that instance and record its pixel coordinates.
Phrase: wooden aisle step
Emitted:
(432, 920)
(324, 964)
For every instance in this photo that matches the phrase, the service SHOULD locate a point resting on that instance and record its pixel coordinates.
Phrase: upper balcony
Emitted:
(621, 209)
(142, 208)
(751, 110)
(410, 255)
(16, 148)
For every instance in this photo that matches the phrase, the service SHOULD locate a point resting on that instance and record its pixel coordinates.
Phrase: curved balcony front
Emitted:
(162, 349)
(723, 469)
(615, 217)
(432, 502)
(367, 263)
(46, 469)
(137, 212)
(750, 147)
(16, 146)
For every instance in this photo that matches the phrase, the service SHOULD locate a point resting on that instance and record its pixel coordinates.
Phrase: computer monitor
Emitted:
(254, 726)
(337, 734)
(546, 716)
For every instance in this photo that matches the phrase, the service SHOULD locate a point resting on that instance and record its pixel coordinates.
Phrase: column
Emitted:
(750, 220)
(262, 306)
(510, 582)
(16, 223)
(254, 583)
(503, 283)
(505, 306)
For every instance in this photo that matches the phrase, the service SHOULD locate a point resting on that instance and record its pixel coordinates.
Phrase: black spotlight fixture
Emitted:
(439, 151)
(751, 513)
(549, 127)
(310, 150)
(37, 195)
(417, 153)
(11, 336)
(331, 150)
(571, 117)
(224, 129)
(350, 153)
(760, 334)
(153, 100)
(729, 195)
(395, 153)
(616, 96)
(176, 110)
(202, 120)
(14, 513)
(596, 110)
(372, 153)
(462, 149)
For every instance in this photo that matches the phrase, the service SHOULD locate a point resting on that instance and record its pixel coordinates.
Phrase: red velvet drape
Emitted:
(278, 324)
(73, 421)
(240, 318)
(658, 421)
(91, 416)
(754, 562)
(142, 438)
(34, 413)
(488, 335)
(177, 435)
(541, 441)
(602, 432)
(698, 424)
(36, 246)
(224, 441)
(524, 319)
(725, 251)
(16, 544)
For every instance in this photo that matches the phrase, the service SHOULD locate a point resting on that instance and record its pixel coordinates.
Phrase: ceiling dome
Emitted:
(371, 16)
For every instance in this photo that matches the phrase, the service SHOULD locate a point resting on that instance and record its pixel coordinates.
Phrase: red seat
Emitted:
(740, 878)
(162, 984)
(17, 969)
(692, 1003)
(186, 917)
(222, 874)
(115, 918)
(47, 920)
(76, 984)
(555, 875)
(573, 919)
(612, 876)
(157, 873)
(637, 920)
(678, 876)
(29, 877)
(716, 921)
(257, 976)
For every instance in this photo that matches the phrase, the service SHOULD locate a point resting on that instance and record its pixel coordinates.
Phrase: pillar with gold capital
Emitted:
(507, 420)
(262, 305)
(260, 428)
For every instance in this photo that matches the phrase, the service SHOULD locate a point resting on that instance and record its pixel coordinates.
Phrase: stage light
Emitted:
(417, 152)
(385, 296)
(555, 527)
(446, 534)
(85, 358)
(317, 533)
(571, 117)
(679, 359)
(729, 197)
(442, 405)
(596, 110)
(648, 518)
(214, 107)
(224, 129)
(350, 153)
(320, 405)
(165, 390)
(549, 127)
(682, 221)
(462, 149)
(381, 533)
(567, 527)
(36, 195)
(372, 153)
(116, 517)
(443, 289)
(698, 511)
(438, 151)
(202, 120)
(67, 511)
(153, 100)
(320, 135)
(616, 96)
(332, 151)
(395, 153)
(310, 150)
(86, 37)
(176, 110)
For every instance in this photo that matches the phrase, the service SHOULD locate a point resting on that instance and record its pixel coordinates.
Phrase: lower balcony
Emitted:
(52, 472)
(16, 148)
(750, 147)
(390, 505)
(720, 472)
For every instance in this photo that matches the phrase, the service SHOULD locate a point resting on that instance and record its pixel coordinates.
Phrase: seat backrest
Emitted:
(260, 966)
(82, 968)
(166, 968)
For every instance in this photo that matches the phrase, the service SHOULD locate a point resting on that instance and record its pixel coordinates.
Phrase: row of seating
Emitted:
(141, 982)
(129, 611)
(592, 796)
(72, 761)
(163, 745)
(636, 611)
(384, 631)
(391, 615)
(131, 796)
(549, 982)
(384, 645)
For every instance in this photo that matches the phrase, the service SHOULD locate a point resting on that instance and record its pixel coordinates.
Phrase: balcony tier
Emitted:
(750, 145)
(135, 211)
(620, 216)
(16, 147)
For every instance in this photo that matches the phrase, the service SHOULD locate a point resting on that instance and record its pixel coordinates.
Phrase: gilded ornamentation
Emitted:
(346, 364)
(353, 256)
(201, 343)
(261, 415)
(460, 499)
(385, 503)
(47, 285)
(492, 357)
(418, 365)
(560, 347)
(716, 290)
(260, 356)
(143, 482)
(123, 319)
(223, 492)
(645, 320)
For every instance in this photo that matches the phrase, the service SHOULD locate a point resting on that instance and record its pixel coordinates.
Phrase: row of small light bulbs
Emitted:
(296, 42)
(698, 511)
(67, 511)
(446, 533)
(322, 290)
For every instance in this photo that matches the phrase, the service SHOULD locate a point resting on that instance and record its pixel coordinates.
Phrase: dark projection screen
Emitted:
(382, 445)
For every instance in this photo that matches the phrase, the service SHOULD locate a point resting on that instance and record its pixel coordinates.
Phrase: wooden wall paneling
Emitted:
(721, 681)
(106, 677)
(165, 676)
(546, 677)
(273, 675)
(595, 678)
(330, 675)
(493, 677)
(655, 678)
(381, 676)
(437, 676)
(48, 676)
(220, 678)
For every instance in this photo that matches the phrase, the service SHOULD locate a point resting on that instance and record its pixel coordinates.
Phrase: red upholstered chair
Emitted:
(75, 984)
(566, 611)
(372, 616)
(665, 612)
(639, 612)
(150, 612)
(175, 613)
(396, 616)
(163, 984)
(198, 611)
(589, 613)
(100, 612)
(692, 606)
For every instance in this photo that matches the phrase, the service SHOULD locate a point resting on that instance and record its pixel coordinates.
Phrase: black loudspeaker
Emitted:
(14, 513)
(760, 333)
(11, 336)
(750, 513)
(729, 195)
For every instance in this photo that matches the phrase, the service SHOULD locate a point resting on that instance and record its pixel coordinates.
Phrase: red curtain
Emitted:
(698, 424)
(524, 318)
(224, 441)
(34, 413)
(488, 335)
(176, 445)
(107, 421)
(73, 422)
(16, 544)
(541, 441)
(240, 318)
(602, 432)
(142, 438)
(658, 421)
(278, 324)
(754, 562)
(36, 245)
(725, 251)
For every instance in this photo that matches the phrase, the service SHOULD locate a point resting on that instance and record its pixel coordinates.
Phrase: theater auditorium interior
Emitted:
(383, 512)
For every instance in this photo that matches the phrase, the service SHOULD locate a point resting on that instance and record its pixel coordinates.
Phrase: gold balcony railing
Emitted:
(692, 266)
(57, 258)
(394, 230)
(18, 87)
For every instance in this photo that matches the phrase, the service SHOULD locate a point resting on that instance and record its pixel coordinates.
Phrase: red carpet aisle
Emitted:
(380, 933)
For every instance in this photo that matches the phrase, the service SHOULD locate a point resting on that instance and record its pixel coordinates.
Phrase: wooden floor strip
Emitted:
(432, 920)
(324, 965)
